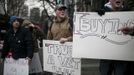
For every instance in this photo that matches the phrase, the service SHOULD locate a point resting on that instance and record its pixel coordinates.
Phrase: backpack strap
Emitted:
(50, 25)
(71, 24)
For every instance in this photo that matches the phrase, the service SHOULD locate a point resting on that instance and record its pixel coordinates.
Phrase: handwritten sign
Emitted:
(97, 36)
(15, 67)
(58, 58)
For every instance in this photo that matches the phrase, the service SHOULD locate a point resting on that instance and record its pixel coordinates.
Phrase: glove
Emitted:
(101, 12)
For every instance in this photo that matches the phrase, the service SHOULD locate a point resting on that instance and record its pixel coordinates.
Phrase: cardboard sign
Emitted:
(16, 67)
(97, 37)
(58, 58)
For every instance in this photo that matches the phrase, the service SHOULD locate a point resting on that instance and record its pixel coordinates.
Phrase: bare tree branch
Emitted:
(45, 10)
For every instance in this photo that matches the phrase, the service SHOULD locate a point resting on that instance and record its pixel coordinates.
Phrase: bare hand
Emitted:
(63, 40)
(126, 30)
(29, 60)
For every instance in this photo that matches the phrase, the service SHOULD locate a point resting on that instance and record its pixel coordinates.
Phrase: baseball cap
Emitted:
(59, 6)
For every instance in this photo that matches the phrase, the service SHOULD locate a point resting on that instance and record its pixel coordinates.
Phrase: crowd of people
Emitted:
(21, 40)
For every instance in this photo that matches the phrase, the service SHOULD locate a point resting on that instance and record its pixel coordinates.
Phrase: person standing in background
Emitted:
(37, 35)
(107, 67)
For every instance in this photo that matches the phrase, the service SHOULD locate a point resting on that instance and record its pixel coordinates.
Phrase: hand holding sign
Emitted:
(68, 39)
(127, 30)
(101, 12)
(63, 40)
(29, 60)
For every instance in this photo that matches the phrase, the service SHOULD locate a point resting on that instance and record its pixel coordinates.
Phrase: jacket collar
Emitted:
(57, 21)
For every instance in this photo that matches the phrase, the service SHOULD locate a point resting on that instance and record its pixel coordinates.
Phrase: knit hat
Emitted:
(12, 19)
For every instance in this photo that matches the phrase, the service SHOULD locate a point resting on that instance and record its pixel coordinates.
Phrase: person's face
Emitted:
(61, 13)
(16, 24)
(116, 3)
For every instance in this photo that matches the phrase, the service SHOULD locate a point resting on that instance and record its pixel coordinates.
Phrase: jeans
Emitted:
(107, 67)
(130, 68)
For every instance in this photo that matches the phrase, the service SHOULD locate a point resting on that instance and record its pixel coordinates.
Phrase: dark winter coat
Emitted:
(19, 43)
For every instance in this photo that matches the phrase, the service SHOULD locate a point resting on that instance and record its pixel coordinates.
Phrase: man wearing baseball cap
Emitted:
(61, 28)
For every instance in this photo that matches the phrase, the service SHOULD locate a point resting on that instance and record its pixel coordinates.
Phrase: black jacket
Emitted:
(20, 44)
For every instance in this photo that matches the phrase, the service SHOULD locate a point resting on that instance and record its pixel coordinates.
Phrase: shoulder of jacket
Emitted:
(24, 30)
(107, 9)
